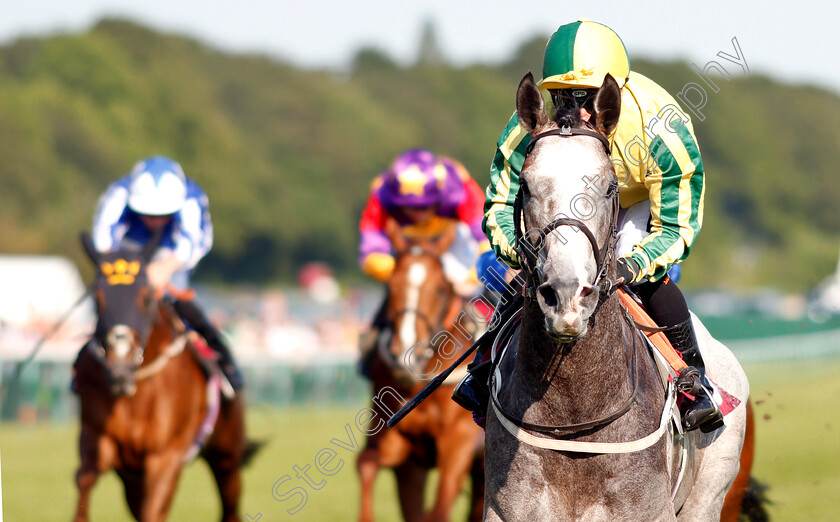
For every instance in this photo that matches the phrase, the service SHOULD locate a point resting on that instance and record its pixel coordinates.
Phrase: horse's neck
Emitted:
(162, 334)
(593, 371)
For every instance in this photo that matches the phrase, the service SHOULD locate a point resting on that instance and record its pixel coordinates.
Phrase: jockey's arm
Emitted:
(375, 257)
(160, 272)
(379, 266)
(501, 193)
(195, 233)
(192, 240)
(675, 186)
(106, 230)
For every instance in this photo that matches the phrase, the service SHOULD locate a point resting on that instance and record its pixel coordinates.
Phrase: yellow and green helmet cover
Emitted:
(581, 54)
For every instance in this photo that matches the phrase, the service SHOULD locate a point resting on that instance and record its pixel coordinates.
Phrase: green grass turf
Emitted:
(39, 462)
(798, 437)
(797, 455)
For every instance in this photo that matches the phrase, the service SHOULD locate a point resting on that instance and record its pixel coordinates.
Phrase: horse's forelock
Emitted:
(568, 117)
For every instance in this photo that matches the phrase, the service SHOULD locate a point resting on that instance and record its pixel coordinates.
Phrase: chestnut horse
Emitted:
(144, 398)
(580, 425)
(422, 309)
(745, 499)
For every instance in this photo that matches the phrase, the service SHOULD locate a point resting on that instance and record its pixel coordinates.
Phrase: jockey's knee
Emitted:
(663, 301)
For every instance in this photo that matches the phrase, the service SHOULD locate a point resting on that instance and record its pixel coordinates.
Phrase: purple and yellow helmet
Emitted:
(416, 179)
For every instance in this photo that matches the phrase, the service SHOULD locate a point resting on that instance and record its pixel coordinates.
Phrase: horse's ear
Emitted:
(90, 250)
(530, 107)
(392, 230)
(607, 106)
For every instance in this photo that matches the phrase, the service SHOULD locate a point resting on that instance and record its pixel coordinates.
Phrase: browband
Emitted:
(566, 132)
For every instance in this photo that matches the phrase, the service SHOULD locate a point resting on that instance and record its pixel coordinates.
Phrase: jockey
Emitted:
(660, 173)
(424, 194)
(158, 195)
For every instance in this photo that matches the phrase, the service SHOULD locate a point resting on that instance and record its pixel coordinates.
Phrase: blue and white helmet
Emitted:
(158, 187)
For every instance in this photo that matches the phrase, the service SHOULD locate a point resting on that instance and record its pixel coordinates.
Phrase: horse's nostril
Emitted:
(548, 295)
(586, 290)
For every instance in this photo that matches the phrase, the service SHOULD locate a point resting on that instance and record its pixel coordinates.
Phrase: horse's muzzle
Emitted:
(123, 382)
(564, 333)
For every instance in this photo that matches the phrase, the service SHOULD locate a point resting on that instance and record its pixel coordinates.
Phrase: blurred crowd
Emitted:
(297, 325)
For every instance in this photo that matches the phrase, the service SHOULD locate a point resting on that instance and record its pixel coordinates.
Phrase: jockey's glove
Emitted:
(626, 268)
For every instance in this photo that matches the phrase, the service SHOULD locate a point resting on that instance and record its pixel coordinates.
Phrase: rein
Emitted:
(571, 429)
(159, 362)
(517, 427)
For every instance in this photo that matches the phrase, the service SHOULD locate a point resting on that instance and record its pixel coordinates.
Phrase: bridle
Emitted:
(97, 350)
(526, 249)
(445, 295)
(603, 285)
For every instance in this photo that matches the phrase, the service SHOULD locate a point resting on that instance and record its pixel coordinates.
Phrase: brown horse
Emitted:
(423, 311)
(144, 399)
(745, 499)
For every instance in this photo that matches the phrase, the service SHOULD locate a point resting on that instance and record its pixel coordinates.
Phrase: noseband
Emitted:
(526, 249)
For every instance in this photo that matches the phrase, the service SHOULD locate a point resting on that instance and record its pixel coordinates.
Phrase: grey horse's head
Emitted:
(567, 177)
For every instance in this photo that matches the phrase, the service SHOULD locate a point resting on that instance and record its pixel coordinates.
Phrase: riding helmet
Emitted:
(581, 54)
(416, 179)
(158, 187)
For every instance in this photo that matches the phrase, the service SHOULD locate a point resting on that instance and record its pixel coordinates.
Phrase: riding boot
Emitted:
(369, 339)
(473, 392)
(189, 312)
(701, 412)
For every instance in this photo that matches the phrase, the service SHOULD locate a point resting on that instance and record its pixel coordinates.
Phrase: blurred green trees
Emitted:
(287, 154)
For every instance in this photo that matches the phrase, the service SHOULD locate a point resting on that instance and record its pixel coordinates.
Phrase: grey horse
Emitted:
(579, 359)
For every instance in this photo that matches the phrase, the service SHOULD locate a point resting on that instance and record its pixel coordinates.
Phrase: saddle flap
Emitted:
(202, 349)
(664, 350)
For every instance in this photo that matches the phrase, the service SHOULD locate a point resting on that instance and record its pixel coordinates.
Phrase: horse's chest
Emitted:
(146, 425)
(544, 485)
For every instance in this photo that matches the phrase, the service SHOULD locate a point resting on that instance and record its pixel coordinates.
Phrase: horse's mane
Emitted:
(568, 117)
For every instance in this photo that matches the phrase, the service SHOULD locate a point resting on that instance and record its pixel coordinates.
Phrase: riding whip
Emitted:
(52, 331)
(437, 381)
(11, 386)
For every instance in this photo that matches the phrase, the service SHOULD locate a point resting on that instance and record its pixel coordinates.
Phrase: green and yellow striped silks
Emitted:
(656, 158)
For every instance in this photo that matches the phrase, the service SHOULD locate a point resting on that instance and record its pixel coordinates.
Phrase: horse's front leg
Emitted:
(386, 449)
(411, 486)
(226, 469)
(161, 473)
(367, 466)
(456, 449)
(98, 455)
